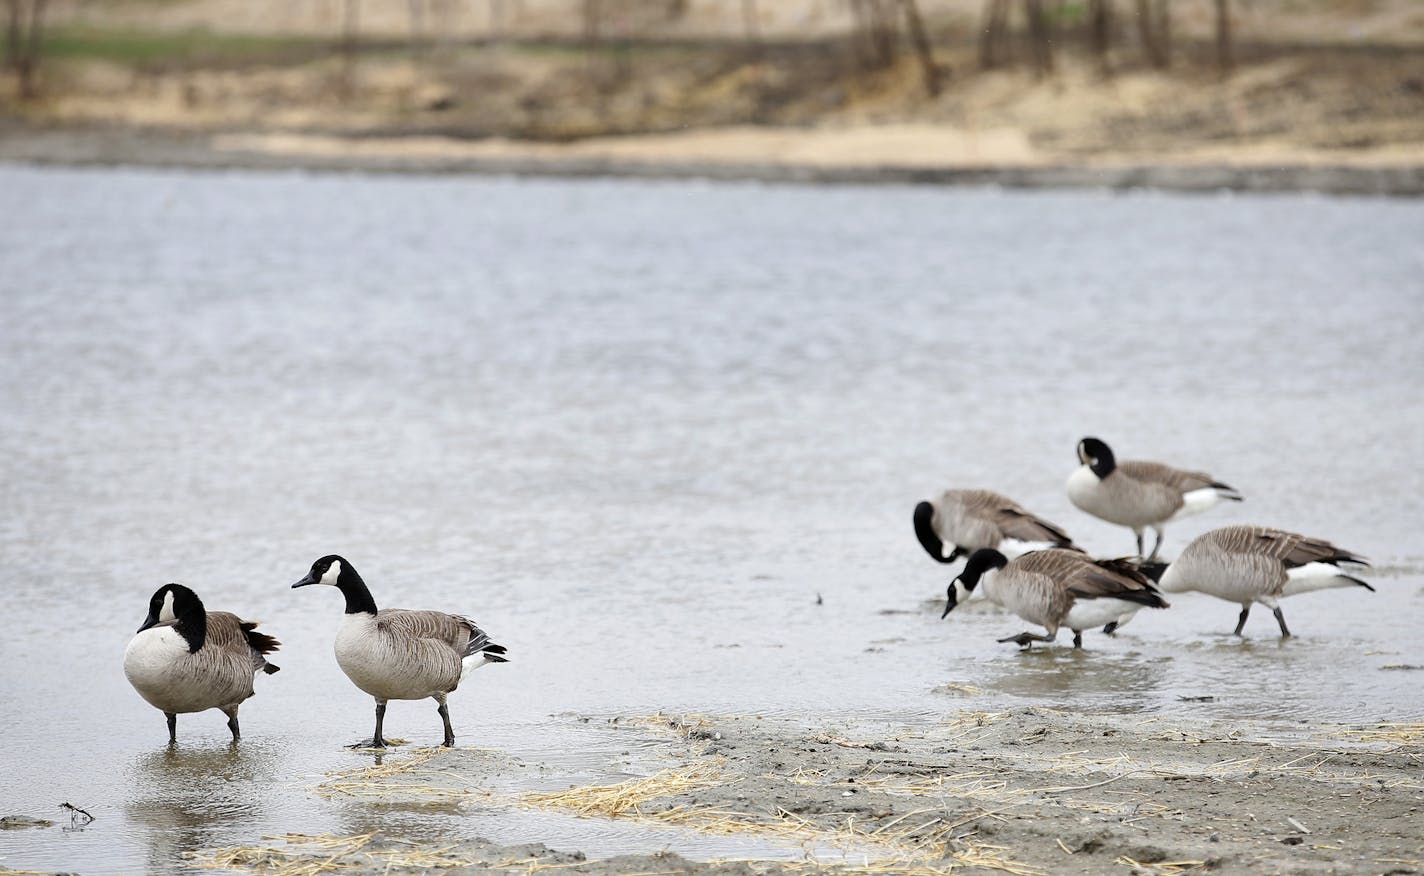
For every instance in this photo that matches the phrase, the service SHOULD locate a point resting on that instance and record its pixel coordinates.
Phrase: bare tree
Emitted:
(1100, 33)
(919, 38)
(1225, 58)
(1040, 37)
(994, 33)
(876, 32)
(750, 17)
(350, 25)
(592, 17)
(1154, 28)
(24, 41)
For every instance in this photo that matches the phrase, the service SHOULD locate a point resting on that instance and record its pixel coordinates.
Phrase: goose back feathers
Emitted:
(967, 520)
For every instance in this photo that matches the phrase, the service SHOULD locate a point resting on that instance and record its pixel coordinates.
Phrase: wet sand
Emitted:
(1025, 791)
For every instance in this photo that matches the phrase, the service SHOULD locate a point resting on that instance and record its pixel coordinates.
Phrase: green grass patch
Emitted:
(177, 47)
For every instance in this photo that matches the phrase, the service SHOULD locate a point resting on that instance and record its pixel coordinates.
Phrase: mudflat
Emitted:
(1025, 791)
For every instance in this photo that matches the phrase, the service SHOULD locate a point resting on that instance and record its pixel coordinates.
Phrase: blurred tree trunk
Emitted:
(1100, 28)
(350, 24)
(24, 42)
(1225, 59)
(592, 15)
(920, 39)
(993, 34)
(750, 16)
(875, 31)
(1040, 37)
(1155, 30)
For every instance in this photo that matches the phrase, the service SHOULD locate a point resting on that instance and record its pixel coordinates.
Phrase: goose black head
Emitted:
(180, 607)
(925, 532)
(1097, 456)
(327, 570)
(979, 562)
(337, 572)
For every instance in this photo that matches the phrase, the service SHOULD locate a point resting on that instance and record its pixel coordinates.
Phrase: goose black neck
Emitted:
(980, 562)
(924, 530)
(192, 625)
(358, 596)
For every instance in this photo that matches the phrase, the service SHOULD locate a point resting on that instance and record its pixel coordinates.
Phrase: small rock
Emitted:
(20, 822)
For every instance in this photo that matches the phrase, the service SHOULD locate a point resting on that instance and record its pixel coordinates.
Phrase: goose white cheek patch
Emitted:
(332, 573)
(165, 611)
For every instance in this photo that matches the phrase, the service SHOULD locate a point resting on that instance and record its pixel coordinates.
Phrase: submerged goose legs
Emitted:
(232, 723)
(172, 727)
(1241, 621)
(1281, 619)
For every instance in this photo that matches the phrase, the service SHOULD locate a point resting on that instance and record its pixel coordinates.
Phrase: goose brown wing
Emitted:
(1166, 475)
(1084, 578)
(433, 627)
(231, 634)
(1290, 548)
(1010, 517)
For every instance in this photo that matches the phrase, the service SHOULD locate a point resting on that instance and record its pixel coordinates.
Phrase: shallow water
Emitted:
(636, 429)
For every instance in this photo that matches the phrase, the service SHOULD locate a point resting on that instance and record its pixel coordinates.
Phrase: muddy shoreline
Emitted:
(1026, 791)
(137, 147)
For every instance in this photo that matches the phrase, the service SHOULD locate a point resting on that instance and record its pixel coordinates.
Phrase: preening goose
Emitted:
(1056, 588)
(967, 520)
(185, 659)
(1249, 564)
(396, 654)
(1139, 494)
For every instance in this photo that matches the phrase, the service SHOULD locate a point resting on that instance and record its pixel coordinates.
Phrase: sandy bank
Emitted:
(909, 153)
(1029, 791)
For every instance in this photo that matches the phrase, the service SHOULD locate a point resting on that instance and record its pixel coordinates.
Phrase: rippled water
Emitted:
(636, 429)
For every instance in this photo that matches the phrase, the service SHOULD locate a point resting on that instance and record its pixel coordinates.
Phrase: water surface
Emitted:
(636, 430)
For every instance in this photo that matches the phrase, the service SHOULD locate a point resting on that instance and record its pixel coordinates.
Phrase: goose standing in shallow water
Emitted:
(396, 654)
(1249, 564)
(1139, 494)
(1056, 588)
(967, 520)
(186, 659)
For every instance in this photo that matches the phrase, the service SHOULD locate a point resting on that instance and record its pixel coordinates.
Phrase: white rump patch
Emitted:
(1197, 501)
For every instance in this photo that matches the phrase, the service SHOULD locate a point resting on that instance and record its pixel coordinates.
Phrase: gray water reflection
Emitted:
(636, 429)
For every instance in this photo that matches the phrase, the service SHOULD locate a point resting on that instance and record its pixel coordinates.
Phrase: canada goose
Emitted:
(967, 520)
(1139, 494)
(396, 654)
(1246, 564)
(185, 659)
(1056, 588)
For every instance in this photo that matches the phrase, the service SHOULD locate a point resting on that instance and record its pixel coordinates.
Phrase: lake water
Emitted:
(635, 430)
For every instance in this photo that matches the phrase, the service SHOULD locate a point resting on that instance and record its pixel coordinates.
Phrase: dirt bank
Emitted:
(1029, 791)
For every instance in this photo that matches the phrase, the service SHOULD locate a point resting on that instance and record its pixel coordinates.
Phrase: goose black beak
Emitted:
(305, 581)
(951, 599)
(147, 622)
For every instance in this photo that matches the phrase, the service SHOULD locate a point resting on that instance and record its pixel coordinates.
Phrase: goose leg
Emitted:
(377, 740)
(444, 711)
(1025, 639)
(1281, 619)
(1138, 533)
(1110, 628)
(1241, 621)
(172, 727)
(1157, 545)
(1077, 639)
(232, 723)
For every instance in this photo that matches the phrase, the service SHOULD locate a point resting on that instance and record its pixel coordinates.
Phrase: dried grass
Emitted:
(630, 798)
(305, 855)
(1399, 734)
(1165, 868)
(373, 781)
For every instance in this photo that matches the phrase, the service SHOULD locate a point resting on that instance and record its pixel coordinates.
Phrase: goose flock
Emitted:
(186, 659)
(1052, 583)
